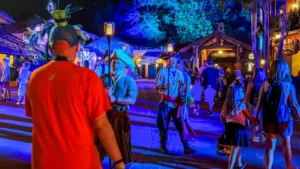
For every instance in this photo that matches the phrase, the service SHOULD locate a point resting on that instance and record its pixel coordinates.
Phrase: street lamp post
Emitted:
(170, 49)
(109, 30)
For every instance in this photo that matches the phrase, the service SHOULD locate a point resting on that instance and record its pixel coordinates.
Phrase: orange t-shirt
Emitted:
(63, 100)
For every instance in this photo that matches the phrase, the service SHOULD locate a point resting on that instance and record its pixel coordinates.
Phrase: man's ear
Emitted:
(77, 47)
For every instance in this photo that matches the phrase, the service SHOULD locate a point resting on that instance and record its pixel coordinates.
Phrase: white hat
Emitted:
(120, 54)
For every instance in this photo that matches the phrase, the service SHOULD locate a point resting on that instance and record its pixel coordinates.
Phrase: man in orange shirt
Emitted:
(67, 103)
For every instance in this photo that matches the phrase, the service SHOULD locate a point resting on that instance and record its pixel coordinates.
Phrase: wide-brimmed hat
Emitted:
(120, 54)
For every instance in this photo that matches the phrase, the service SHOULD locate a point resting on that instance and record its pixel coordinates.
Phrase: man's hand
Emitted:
(112, 98)
(167, 86)
(108, 91)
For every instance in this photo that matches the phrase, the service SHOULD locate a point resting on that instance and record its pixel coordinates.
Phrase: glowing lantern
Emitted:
(170, 47)
(109, 28)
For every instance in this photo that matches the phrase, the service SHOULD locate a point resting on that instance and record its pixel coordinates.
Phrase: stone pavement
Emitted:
(15, 137)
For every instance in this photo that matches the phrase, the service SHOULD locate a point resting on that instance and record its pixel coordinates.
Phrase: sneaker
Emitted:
(209, 113)
(255, 139)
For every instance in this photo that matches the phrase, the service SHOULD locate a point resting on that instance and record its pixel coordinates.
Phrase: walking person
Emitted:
(66, 110)
(277, 98)
(252, 96)
(196, 93)
(22, 81)
(233, 117)
(211, 78)
(5, 80)
(170, 83)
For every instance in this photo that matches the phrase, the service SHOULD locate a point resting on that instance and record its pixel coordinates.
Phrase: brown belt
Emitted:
(116, 114)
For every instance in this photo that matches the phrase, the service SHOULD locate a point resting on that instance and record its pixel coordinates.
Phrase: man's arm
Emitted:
(107, 139)
(248, 92)
(97, 106)
(131, 94)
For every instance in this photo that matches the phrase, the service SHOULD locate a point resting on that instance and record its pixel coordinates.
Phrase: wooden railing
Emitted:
(292, 21)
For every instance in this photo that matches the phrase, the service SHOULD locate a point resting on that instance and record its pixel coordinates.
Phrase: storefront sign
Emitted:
(223, 54)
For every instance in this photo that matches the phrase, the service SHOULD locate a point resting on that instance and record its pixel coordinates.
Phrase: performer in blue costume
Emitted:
(170, 84)
(122, 93)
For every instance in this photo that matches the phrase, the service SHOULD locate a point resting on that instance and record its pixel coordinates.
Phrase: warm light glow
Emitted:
(156, 65)
(109, 28)
(262, 61)
(277, 36)
(220, 52)
(250, 65)
(251, 56)
(295, 5)
(216, 65)
(139, 65)
(170, 47)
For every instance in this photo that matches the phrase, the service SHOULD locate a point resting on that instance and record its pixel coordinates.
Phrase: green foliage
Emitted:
(160, 21)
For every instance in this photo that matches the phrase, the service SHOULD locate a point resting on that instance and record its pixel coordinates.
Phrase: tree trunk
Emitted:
(266, 33)
(283, 24)
(253, 9)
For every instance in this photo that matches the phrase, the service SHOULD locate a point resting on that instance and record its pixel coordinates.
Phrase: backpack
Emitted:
(254, 96)
(275, 108)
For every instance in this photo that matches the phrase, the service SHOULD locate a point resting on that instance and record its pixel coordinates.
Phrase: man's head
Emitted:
(210, 62)
(173, 62)
(204, 63)
(6, 61)
(64, 41)
(120, 60)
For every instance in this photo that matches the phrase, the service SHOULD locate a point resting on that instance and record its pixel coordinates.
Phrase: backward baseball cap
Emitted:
(67, 33)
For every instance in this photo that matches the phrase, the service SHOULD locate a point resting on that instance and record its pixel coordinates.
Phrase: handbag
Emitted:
(222, 148)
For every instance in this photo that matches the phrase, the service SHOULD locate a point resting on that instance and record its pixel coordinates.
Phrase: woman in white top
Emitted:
(233, 117)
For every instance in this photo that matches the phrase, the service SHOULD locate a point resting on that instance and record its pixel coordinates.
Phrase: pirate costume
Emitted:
(123, 86)
(168, 107)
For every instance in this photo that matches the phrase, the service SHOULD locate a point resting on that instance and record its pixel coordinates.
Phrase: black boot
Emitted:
(163, 142)
(187, 149)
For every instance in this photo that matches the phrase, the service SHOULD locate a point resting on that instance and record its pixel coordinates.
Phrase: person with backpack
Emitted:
(279, 104)
(252, 95)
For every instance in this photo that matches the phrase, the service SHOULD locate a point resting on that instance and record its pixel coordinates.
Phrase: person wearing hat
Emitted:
(68, 104)
(210, 77)
(122, 92)
(170, 85)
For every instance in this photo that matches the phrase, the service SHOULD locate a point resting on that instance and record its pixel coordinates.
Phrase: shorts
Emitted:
(283, 129)
(5, 85)
(209, 94)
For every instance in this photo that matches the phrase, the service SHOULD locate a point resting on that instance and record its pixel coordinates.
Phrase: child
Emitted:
(23, 80)
(233, 117)
(196, 93)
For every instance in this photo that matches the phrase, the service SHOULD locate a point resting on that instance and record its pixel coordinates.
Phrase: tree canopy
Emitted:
(155, 22)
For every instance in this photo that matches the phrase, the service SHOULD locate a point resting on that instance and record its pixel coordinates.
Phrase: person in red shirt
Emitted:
(67, 104)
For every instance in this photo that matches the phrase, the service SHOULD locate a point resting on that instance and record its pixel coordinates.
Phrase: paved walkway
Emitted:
(15, 137)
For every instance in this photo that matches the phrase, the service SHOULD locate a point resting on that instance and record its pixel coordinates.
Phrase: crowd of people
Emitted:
(79, 115)
(268, 101)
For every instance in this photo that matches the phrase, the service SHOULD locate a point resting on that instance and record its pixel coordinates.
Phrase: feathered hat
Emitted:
(61, 18)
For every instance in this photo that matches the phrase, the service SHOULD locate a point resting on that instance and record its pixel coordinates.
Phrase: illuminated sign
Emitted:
(223, 54)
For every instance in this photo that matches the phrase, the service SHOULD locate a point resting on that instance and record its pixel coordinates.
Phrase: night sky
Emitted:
(22, 9)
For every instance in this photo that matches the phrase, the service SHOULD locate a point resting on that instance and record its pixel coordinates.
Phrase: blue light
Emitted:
(261, 42)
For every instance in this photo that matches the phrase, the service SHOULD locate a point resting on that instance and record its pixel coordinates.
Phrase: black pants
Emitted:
(163, 120)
